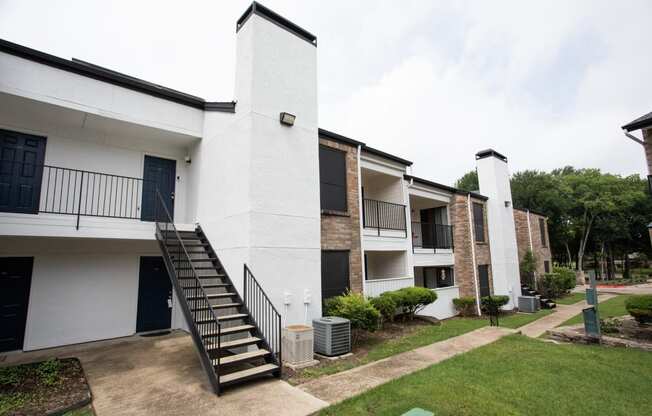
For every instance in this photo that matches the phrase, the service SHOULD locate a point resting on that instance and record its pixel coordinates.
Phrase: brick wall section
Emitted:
(540, 250)
(647, 135)
(462, 240)
(341, 231)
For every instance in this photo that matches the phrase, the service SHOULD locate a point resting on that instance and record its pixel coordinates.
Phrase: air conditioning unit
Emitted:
(528, 304)
(297, 345)
(332, 335)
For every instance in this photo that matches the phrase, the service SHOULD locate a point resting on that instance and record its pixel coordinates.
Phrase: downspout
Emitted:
(529, 234)
(634, 138)
(475, 266)
(360, 222)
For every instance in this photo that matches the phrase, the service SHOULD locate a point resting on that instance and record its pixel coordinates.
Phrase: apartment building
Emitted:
(127, 207)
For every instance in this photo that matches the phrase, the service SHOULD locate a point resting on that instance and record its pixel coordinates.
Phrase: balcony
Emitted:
(431, 237)
(45, 200)
(384, 219)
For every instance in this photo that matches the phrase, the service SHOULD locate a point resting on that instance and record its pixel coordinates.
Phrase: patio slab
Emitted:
(162, 376)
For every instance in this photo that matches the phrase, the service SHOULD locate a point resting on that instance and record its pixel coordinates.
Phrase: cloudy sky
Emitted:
(546, 83)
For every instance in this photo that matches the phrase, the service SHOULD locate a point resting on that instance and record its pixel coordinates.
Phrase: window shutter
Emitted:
(332, 178)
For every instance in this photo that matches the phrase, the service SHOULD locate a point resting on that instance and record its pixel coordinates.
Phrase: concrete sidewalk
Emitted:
(162, 376)
(341, 386)
(561, 314)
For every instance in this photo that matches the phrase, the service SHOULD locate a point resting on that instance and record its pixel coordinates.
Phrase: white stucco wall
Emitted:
(493, 176)
(25, 78)
(82, 289)
(259, 180)
(76, 140)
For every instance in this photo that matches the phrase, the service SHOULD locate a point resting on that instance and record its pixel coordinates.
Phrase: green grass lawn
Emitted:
(571, 299)
(424, 336)
(607, 309)
(519, 376)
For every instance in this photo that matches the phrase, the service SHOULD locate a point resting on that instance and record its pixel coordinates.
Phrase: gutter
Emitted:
(634, 138)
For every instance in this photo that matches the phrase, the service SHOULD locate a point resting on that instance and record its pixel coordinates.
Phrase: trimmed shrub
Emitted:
(495, 301)
(386, 305)
(465, 305)
(640, 307)
(355, 308)
(413, 299)
(556, 284)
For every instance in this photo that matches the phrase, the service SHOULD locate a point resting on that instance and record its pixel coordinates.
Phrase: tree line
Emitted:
(591, 214)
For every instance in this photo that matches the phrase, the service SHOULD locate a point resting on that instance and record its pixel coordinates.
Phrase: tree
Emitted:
(468, 182)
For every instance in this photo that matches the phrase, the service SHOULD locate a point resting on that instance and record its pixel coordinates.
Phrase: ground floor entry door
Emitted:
(483, 276)
(158, 174)
(15, 281)
(154, 296)
(334, 273)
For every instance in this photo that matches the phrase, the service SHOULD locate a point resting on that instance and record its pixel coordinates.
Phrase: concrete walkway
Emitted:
(561, 314)
(162, 376)
(340, 386)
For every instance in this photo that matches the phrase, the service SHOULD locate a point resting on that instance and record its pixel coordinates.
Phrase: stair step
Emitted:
(237, 358)
(224, 305)
(243, 342)
(213, 286)
(196, 268)
(224, 318)
(228, 331)
(173, 243)
(248, 373)
(204, 276)
(194, 260)
(213, 296)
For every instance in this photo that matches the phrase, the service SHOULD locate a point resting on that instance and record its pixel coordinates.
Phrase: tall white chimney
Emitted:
(260, 177)
(493, 177)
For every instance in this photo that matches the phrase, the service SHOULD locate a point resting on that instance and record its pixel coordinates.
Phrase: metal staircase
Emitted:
(237, 339)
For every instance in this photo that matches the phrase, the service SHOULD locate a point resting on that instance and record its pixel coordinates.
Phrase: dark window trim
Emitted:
(477, 223)
(345, 211)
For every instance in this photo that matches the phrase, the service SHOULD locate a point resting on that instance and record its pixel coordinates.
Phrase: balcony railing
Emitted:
(32, 189)
(381, 215)
(432, 236)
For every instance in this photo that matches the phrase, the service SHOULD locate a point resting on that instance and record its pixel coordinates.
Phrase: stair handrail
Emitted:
(264, 315)
(180, 294)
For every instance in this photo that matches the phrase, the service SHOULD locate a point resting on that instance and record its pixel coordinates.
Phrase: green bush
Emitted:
(465, 305)
(640, 307)
(385, 304)
(493, 303)
(558, 283)
(355, 308)
(413, 299)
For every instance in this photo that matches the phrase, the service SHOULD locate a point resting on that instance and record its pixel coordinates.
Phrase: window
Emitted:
(542, 231)
(546, 266)
(436, 277)
(478, 222)
(483, 277)
(334, 273)
(332, 179)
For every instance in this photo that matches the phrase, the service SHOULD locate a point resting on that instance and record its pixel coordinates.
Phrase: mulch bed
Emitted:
(365, 341)
(50, 387)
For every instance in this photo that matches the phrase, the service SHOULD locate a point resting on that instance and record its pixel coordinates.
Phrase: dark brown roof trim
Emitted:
(380, 153)
(323, 133)
(640, 123)
(99, 73)
(488, 153)
(444, 187)
(541, 214)
(275, 18)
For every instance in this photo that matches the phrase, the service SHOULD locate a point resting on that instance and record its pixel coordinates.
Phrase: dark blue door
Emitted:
(21, 171)
(160, 174)
(15, 280)
(154, 295)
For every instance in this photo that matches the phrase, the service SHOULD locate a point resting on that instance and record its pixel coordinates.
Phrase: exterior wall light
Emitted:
(188, 159)
(288, 119)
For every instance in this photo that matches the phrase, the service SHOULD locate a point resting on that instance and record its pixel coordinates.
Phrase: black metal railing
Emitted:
(381, 215)
(190, 292)
(432, 236)
(79, 192)
(263, 314)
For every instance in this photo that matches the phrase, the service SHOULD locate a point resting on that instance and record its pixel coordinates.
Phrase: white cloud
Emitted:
(546, 83)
